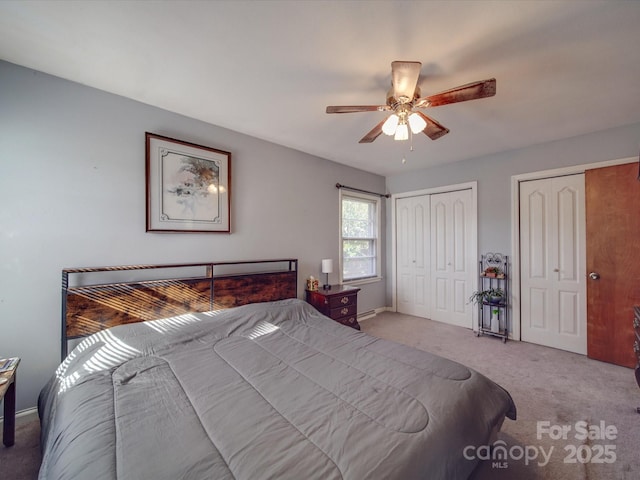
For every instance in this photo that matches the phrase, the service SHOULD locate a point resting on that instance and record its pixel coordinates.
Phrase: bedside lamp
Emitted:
(327, 268)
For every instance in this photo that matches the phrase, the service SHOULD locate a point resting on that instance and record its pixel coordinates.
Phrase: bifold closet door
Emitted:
(452, 267)
(412, 259)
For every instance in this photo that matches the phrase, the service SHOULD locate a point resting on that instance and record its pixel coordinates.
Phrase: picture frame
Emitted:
(188, 187)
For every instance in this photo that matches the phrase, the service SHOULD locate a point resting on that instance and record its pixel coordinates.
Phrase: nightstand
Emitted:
(339, 303)
(8, 393)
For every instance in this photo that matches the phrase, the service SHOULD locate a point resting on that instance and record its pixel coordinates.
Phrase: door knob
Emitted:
(594, 276)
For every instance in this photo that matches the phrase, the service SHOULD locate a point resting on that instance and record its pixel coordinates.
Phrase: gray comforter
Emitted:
(272, 390)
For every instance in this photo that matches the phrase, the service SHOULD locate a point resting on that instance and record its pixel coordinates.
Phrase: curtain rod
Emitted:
(385, 195)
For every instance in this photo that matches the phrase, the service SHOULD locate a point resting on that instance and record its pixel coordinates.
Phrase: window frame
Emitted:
(377, 201)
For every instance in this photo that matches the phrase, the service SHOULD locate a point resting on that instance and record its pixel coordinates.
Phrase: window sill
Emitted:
(362, 281)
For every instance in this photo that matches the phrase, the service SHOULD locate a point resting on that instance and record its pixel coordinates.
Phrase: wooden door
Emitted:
(552, 266)
(452, 268)
(613, 256)
(412, 237)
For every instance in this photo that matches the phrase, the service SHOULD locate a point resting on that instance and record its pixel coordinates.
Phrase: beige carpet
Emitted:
(547, 385)
(22, 460)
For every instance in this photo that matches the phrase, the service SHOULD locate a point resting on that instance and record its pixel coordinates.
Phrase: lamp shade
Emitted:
(417, 123)
(389, 127)
(327, 265)
(402, 132)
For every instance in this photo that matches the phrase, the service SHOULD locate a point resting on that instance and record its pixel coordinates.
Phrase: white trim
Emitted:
(515, 225)
(372, 313)
(25, 413)
(366, 315)
(473, 186)
(28, 412)
(363, 281)
(378, 201)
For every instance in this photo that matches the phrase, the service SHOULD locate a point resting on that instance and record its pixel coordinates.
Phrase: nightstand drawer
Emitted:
(343, 300)
(338, 313)
(351, 321)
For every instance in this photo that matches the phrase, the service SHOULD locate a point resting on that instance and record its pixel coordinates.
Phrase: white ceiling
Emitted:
(269, 68)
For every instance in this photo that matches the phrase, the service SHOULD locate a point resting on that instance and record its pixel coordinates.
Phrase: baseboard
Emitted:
(366, 315)
(33, 411)
(25, 415)
(371, 313)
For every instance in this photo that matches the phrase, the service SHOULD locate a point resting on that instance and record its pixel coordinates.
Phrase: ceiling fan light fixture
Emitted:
(417, 123)
(389, 126)
(402, 132)
(404, 96)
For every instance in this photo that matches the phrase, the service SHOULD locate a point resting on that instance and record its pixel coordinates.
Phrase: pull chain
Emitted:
(404, 160)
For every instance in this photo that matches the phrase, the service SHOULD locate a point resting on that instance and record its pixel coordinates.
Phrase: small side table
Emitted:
(339, 303)
(8, 393)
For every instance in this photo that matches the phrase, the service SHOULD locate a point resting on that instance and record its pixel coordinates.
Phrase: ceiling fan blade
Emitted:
(373, 134)
(470, 91)
(404, 79)
(357, 108)
(433, 130)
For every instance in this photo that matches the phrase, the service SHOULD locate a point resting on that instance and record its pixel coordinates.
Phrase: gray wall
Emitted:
(493, 174)
(72, 194)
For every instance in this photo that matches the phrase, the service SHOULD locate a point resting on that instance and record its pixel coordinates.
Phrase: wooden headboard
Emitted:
(102, 297)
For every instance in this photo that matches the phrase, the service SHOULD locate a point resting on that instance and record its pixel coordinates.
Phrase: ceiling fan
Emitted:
(404, 100)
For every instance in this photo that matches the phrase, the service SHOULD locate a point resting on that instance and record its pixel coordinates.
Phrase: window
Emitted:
(359, 233)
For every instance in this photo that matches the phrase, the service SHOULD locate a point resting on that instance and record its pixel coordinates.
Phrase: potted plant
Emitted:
(492, 272)
(491, 296)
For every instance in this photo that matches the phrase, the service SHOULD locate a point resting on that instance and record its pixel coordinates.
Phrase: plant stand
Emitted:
(493, 314)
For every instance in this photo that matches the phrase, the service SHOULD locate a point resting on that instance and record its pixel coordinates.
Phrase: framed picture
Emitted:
(188, 186)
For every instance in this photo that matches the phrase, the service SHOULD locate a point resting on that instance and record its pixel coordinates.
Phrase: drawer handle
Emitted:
(352, 320)
(344, 311)
(344, 300)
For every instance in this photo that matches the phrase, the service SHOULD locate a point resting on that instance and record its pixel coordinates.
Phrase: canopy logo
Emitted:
(584, 450)
(499, 454)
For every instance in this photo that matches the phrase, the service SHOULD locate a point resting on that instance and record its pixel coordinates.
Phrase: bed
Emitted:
(246, 381)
